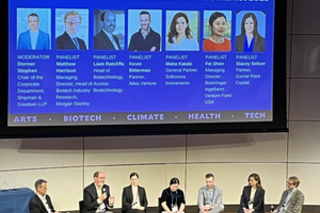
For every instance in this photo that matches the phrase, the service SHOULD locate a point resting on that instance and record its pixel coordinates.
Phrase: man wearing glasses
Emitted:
(292, 199)
(69, 40)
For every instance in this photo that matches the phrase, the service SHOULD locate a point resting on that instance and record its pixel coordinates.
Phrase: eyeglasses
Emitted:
(290, 183)
(72, 23)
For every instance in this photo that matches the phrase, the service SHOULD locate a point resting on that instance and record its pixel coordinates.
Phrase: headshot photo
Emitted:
(217, 31)
(109, 29)
(33, 29)
(72, 29)
(250, 31)
(144, 30)
(182, 30)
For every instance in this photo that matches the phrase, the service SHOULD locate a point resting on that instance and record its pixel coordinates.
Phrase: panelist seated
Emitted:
(292, 199)
(96, 196)
(172, 198)
(41, 202)
(252, 198)
(134, 198)
(210, 197)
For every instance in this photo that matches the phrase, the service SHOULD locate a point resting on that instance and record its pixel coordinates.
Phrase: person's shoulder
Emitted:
(247, 187)
(154, 32)
(140, 187)
(218, 188)
(202, 188)
(62, 36)
(24, 33)
(299, 192)
(126, 187)
(43, 33)
(89, 186)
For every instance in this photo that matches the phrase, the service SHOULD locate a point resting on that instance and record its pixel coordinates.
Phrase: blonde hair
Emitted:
(295, 180)
(72, 13)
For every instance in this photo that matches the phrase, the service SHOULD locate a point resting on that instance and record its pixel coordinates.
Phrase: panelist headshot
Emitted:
(180, 34)
(217, 31)
(106, 25)
(96, 196)
(70, 39)
(147, 38)
(134, 197)
(41, 202)
(250, 33)
(252, 198)
(210, 197)
(33, 38)
(172, 198)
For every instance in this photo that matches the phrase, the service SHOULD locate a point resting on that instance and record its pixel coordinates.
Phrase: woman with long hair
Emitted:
(250, 40)
(252, 198)
(180, 35)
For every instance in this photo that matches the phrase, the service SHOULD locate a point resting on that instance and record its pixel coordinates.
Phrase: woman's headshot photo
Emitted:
(251, 31)
(182, 31)
(217, 31)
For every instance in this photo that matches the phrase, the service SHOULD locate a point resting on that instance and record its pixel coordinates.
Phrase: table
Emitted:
(15, 201)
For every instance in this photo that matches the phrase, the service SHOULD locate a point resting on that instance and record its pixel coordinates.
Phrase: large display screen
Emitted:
(140, 62)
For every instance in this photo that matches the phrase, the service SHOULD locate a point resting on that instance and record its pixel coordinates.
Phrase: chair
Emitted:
(81, 206)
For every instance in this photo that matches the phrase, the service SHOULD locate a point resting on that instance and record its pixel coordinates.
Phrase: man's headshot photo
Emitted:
(33, 28)
(72, 29)
(146, 38)
(109, 30)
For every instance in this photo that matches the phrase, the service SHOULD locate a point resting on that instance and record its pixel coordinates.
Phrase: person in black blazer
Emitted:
(252, 198)
(250, 40)
(134, 197)
(69, 39)
(103, 39)
(41, 202)
(97, 196)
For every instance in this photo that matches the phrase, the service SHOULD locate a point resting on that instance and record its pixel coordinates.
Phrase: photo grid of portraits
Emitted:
(141, 30)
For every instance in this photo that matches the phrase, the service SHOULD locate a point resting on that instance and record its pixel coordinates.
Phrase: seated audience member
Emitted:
(172, 198)
(96, 196)
(292, 199)
(41, 202)
(252, 198)
(210, 197)
(134, 198)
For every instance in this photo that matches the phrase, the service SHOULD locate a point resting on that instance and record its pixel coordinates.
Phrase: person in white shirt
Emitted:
(41, 202)
(134, 198)
(96, 196)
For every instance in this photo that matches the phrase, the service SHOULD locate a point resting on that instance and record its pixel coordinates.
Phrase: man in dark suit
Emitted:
(69, 40)
(96, 196)
(41, 202)
(105, 40)
(34, 38)
(292, 199)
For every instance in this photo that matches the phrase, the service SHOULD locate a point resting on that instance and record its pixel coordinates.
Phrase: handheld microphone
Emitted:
(104, 190)
(272, 208)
